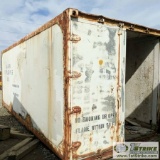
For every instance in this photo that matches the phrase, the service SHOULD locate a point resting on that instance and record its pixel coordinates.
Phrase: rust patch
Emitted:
(67, 121)
(100, 62)
(90, 139)
(74, 148)
(118, 88)
(76, 109)
(28, 119)
(100, 155)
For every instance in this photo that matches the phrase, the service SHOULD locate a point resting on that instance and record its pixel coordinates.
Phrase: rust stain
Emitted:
(76, 109)
(28, 119)
(118, 89)
(67, 121)
(75, 146)
(100, 62)
(90, 140)
(112, 130)
(101, 154)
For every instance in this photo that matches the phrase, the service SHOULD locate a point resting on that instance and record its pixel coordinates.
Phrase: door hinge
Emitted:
(74, 74)
(101, 20)
(121, 25)
(75, 38)
(76, 109)
(74, 13)
(75, 145)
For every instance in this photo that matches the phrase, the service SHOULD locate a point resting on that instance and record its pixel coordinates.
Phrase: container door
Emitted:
(97, 87)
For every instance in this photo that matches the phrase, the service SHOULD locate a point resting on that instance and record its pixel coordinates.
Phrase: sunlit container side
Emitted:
(66, 82)
(33, 76)
(94, 92)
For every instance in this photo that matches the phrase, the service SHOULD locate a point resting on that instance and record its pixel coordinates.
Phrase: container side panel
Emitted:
(33, 84)
(96, 69)
(57, 89)
(35, 81)
(12, 78)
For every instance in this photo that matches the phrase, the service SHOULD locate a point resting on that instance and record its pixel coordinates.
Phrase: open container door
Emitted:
(97, 87)
(142, 86)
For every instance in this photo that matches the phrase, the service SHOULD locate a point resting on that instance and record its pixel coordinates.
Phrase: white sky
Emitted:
(20, 17)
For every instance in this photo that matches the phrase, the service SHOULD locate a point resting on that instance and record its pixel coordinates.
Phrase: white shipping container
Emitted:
(67, 82)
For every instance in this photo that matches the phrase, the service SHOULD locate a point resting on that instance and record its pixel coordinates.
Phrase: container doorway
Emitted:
(141, 85)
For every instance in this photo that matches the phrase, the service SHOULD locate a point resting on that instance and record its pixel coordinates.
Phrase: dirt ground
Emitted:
(39, 153)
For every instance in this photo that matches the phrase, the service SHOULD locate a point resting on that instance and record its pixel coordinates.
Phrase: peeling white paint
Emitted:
(95, 57)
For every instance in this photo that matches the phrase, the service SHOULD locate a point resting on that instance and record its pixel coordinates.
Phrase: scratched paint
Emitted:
(95, 91)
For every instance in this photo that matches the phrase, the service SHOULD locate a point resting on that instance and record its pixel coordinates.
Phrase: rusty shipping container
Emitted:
(74, 80)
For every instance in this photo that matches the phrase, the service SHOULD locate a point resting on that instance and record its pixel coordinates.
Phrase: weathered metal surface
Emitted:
(141, 81)
(66, 83)
(115, 22)
(156, 51)
(0, 80)
(53, 55)
(100, 59)
(33, 72)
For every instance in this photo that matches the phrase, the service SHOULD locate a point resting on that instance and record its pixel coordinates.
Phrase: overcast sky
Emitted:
(20, 17)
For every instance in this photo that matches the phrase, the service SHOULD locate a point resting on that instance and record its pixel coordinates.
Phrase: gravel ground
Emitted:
(40, 153)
